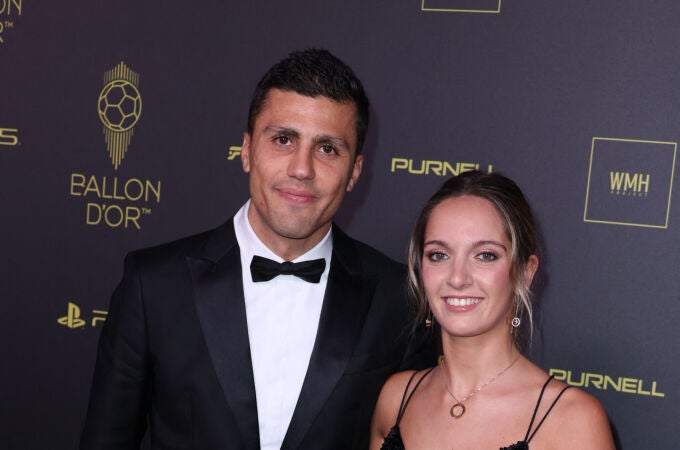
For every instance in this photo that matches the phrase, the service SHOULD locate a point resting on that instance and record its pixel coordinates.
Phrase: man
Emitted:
(215, 351)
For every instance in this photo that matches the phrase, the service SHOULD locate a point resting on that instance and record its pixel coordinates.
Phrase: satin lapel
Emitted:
(346, 302)
(218, 289)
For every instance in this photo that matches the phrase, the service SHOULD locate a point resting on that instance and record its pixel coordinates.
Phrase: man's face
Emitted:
(301, 158)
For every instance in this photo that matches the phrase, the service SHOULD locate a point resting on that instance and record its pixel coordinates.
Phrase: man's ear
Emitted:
(356, 172)
(245, 152)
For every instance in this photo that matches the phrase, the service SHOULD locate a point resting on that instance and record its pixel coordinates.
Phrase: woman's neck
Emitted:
(470, 362)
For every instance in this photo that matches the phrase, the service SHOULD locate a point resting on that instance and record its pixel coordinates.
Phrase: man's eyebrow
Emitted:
(282, 130)
(327, 139)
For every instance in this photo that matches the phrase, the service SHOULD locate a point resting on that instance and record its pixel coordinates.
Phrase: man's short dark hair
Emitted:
(314, 72)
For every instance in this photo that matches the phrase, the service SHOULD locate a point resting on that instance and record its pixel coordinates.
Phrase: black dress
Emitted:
(393, 439)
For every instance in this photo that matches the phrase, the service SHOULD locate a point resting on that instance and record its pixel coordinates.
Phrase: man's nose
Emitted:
(301, 164)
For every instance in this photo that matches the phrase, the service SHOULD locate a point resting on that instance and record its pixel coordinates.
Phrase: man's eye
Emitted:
(328, 149)
(283, 140)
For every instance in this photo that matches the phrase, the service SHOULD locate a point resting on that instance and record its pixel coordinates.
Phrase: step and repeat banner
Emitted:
(121, 124)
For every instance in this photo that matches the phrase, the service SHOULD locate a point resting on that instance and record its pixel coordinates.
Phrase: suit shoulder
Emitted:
(192, 245)
(349, 248)
(178, 247)
(374, 261)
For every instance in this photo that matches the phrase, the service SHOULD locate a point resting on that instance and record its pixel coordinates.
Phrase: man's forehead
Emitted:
(291, 93)
(288, 107)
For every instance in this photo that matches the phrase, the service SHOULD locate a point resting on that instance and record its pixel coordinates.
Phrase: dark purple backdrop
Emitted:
(562, 96)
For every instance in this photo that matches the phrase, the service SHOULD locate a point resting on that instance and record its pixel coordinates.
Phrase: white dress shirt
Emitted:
(283, 317)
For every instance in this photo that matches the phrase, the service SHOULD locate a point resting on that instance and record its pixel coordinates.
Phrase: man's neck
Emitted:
(287, 248)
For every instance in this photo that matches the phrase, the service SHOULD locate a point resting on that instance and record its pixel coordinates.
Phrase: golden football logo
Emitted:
(120, 107)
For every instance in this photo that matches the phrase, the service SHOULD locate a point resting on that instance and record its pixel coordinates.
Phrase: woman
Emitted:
(472, 258)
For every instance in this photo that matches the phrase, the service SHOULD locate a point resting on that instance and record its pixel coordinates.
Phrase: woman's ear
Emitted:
(530, 269)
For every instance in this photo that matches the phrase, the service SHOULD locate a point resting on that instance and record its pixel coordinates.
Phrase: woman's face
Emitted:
(466, 267)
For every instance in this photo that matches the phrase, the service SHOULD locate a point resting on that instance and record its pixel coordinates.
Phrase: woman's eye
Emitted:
(487, 256)
(436, 256)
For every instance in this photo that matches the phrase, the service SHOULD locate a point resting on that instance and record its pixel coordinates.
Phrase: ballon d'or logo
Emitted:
(119, 107)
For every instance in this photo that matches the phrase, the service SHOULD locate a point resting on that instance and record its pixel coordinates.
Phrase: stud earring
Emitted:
(428, 320)
(516, 321)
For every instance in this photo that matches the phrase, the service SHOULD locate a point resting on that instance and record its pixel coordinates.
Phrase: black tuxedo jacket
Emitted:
(174, 351)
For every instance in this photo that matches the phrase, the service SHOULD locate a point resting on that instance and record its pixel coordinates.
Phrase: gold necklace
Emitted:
(458, 408)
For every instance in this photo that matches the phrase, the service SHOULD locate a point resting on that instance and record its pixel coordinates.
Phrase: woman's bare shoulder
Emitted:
(398, 381)
(392, 393)
(583, 421)
(387, 408)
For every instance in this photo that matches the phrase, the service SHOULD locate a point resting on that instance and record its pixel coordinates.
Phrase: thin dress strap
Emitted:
(404, 399)
(529, 437)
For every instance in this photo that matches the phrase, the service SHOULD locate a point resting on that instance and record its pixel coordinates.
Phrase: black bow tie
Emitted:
(263, 269)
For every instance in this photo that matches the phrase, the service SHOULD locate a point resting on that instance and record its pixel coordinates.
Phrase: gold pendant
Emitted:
(457, 410)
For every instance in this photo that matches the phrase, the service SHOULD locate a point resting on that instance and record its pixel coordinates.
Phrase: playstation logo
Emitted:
(72, 318)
